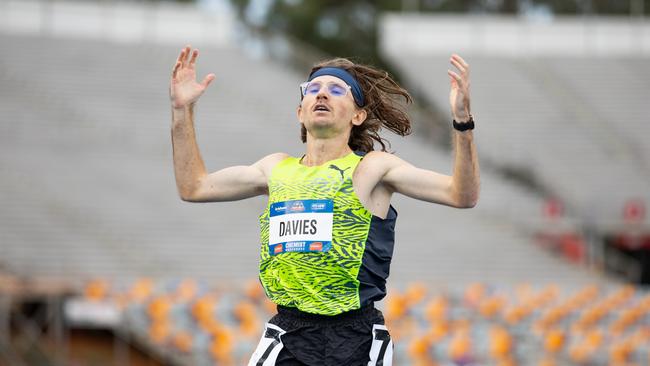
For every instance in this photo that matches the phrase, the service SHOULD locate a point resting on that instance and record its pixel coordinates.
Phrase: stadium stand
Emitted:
(564, 101)
(567, 113)
(198, 324)
(90, 119)
(88, 192)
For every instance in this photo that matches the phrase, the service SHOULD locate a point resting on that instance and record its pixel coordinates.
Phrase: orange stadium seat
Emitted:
(419, 347)
(501, 343)
(141, 290)
(254, 290)
(97, 290)
(202, 309)
(460, 346)
(438, 331)
(491, 306)
(186, 290)
(249, 322)
(158, 308)
(222, 345)
(396, 305)
(554, 340)
(474, 294)
(183, 341)
(436, 309)
(159, 331)
(415, 293)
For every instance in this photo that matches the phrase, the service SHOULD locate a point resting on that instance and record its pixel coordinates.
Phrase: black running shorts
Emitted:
(295, 338)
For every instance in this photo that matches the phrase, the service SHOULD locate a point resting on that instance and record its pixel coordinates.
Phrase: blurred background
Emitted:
(101, 263)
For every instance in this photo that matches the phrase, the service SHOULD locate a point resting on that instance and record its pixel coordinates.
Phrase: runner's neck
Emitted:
(321, 151)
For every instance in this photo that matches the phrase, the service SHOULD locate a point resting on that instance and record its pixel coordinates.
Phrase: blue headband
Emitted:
(357, 93)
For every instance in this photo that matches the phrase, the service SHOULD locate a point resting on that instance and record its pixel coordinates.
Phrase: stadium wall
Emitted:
(130, 22)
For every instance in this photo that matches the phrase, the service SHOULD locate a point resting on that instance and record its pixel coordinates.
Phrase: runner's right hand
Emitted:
(183, 89)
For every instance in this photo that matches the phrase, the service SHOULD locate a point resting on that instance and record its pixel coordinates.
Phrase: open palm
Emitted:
(183, 89)
(459, 93)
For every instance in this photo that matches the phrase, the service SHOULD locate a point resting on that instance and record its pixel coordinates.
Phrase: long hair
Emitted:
(382, 95)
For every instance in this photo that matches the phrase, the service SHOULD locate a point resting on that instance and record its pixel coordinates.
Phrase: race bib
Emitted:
(300, 226)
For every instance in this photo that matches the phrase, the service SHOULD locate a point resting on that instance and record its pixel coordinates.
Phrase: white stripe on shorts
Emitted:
(269, 348)
(381, 352)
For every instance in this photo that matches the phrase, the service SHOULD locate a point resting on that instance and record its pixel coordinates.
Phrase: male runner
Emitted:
(328, 231)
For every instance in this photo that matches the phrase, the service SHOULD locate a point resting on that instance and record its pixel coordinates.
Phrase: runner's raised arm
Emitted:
(193, 182)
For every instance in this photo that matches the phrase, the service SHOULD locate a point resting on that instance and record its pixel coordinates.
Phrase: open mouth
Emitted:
(321, 108)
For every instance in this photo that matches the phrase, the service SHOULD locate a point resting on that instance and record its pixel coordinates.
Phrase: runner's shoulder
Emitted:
(267, 163)
(381, 160)
(275, 157)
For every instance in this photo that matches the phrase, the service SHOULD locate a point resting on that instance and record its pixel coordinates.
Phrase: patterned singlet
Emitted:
(321, 250)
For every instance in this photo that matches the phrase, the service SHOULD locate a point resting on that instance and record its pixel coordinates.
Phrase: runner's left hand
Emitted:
(459, 94)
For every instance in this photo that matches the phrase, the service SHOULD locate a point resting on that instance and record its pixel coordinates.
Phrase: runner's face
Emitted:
(326, 112)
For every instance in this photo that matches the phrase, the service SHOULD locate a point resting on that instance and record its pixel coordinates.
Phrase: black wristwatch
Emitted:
(464, 126)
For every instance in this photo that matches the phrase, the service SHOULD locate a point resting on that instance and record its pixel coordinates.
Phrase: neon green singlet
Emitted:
(314, 280)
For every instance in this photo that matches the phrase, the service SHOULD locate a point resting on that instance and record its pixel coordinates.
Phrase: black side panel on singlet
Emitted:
(375, 265)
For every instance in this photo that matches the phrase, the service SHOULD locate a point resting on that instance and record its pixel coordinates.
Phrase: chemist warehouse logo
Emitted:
(296, 207)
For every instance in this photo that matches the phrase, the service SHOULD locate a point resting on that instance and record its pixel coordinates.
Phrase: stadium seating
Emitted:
(480, 323)
(572, 124)
(89, 190)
